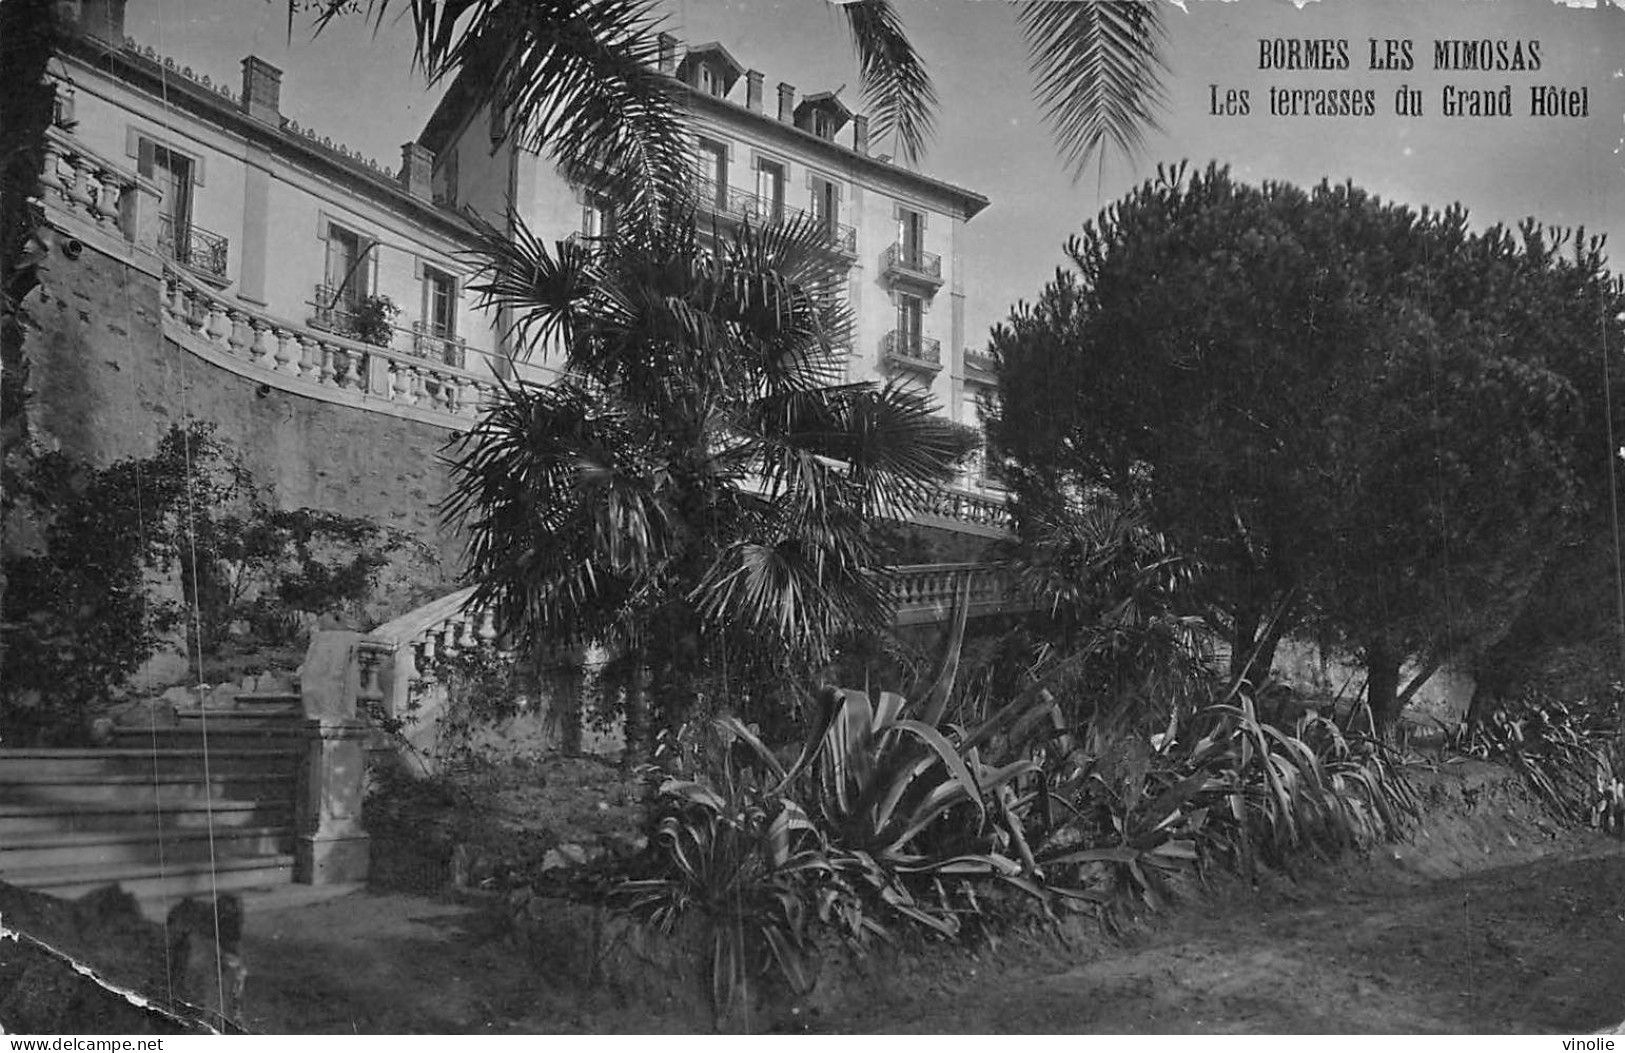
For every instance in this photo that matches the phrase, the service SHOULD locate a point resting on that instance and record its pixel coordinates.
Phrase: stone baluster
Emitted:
(109, 188)
(241, 335)
(78, 191)
(428, 650)
(51, 170)
(219, 325)
(487, 631)
(400, 382)
(310, 356)
(352, 370)
(326, 375)
(283, 358)
(467, 638)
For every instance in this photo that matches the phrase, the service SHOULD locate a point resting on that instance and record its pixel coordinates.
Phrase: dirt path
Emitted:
(1533, 947)
(1487, 921)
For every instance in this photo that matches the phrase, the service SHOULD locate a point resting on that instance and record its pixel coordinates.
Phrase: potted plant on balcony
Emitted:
(372, 321)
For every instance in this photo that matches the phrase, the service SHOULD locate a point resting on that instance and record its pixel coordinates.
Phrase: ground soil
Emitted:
(1491, 919)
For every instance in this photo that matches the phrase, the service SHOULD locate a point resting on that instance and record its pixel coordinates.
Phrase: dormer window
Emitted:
(710, 69)
(823, 115)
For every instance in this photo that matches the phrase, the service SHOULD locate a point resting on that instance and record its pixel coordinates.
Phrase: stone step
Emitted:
(274, 700)
(223, 758)
(20, 820)
(150, 882)
(229, 734)
(95, 851)
(168, 790)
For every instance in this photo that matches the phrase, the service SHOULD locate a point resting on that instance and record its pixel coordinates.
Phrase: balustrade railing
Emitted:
(325, 360)
(898, 261)
(82, 183)
(912, 350)
(191, 246)
(966, 506)
(933, 588)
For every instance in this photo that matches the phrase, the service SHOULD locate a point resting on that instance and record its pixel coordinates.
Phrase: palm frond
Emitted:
(1098, 69)
(896, 87)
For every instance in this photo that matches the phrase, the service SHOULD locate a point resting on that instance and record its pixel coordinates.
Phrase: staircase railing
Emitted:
(389, 671)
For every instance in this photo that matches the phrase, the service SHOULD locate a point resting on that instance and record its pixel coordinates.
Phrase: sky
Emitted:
(357, 86)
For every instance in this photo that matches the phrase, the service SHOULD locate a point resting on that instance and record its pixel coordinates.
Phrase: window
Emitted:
(711, 165)
(770, 188)
(823, 124)
(439, 303)
(348, 276)
(911, 236)
(910, 323)
(448, 187)
(711, 81)
(826, 203)
(173, 174)
(598, 217)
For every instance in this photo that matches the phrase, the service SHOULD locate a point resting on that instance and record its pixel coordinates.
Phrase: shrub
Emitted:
(1570, 756)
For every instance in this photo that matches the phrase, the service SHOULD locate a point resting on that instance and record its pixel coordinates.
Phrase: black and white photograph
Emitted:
(812, 517)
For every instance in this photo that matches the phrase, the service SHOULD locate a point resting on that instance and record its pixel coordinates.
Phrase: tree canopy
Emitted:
(1358, 417)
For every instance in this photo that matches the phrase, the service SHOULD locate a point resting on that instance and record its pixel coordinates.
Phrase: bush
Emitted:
(130, 555)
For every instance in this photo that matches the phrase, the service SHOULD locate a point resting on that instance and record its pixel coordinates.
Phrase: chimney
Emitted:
(417, 164)
(753, 91)
(860, 134)
(668, 54)
(787, 103)
(262, 91)
(103, 19)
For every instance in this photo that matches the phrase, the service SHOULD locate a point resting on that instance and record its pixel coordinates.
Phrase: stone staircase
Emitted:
(200, 800)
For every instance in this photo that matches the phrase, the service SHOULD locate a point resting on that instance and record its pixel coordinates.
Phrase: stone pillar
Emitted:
(787, 103)
(753, 91)
(138, 214)
(860, 134)
(668, 54)
(330, 846)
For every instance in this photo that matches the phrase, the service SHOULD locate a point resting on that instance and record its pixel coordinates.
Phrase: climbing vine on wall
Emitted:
(107, 566)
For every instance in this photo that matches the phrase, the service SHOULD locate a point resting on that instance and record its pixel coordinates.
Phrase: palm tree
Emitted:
(577, 77)
(698, 487)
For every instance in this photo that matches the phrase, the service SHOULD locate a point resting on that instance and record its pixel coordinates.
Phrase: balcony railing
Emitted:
(331, 311)
(899, 262)
(438, 347)
(732, 203)
(193, 247)
(912, 351)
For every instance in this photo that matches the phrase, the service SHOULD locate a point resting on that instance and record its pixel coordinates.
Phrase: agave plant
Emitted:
(1569, 756)
(740, 856)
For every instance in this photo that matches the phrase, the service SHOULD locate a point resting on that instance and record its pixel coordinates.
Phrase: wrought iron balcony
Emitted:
(330, 311)
(194, 248)
(438, 347)
(921, 268)
(735, 205)
(911, 351)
